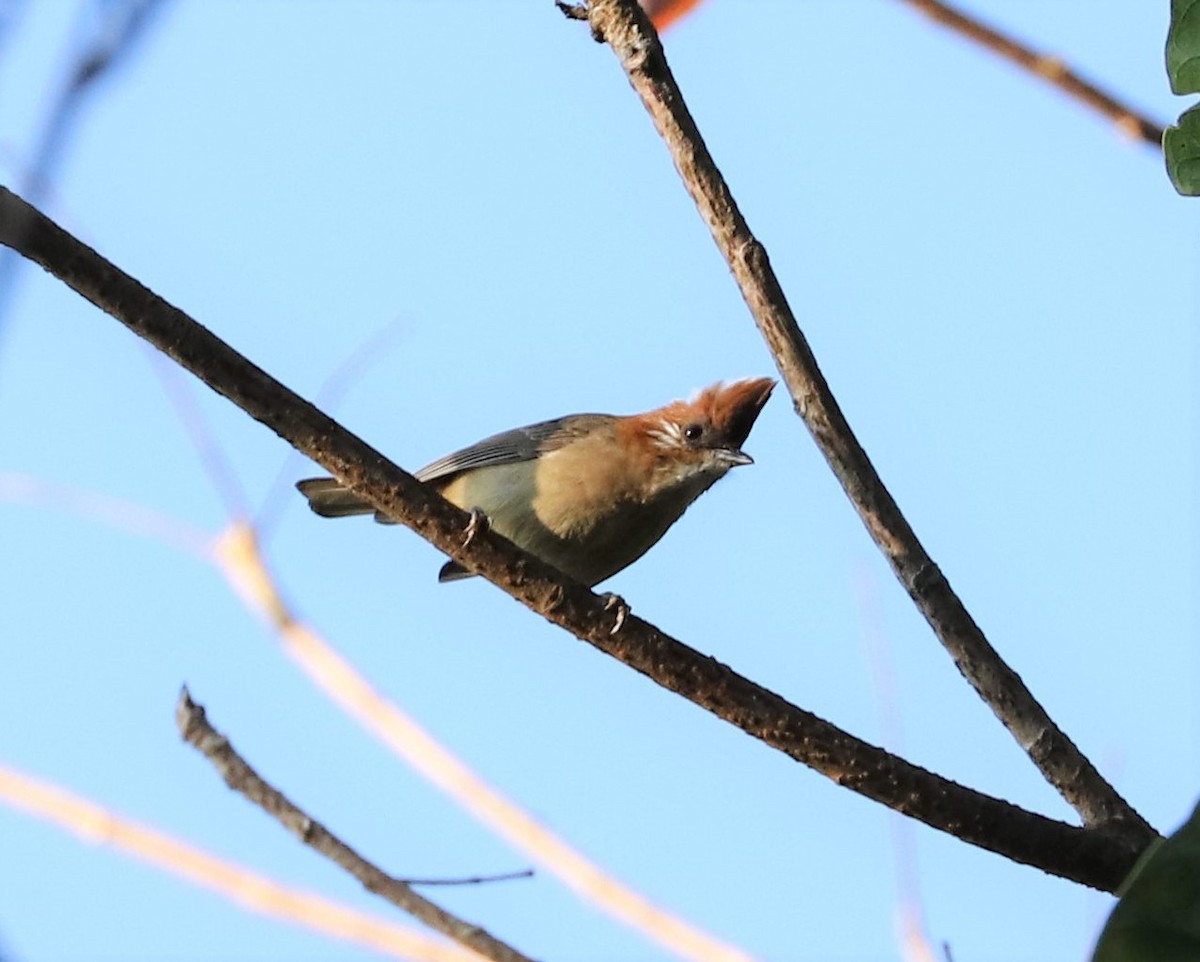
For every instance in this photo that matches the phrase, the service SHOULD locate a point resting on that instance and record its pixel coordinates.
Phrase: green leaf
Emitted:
(1158, 916)
(1183, 47)
(1181, 150)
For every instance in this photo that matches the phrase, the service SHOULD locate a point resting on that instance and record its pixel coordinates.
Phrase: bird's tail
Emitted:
(329, 498)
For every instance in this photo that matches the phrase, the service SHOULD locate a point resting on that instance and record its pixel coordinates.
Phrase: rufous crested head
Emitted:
(708, 430)
(729, 409)
(733, 408)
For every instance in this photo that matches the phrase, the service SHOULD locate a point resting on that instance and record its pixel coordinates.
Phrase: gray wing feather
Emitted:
(328, 498)
(512, 447)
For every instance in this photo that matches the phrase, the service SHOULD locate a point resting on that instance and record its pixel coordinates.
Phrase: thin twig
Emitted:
(1045, 66)
(245, 887)
(105, 43)
(371, 350)
(909, 915)
(196, 731)
(1100, 858)
(624, 27)
(237, 555)
(471, 879)
(212, 458)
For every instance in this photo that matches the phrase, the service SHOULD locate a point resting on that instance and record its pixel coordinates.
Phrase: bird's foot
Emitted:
(612, 601)
(479, 522)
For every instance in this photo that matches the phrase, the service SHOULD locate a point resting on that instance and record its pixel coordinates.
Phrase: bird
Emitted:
(587, 493)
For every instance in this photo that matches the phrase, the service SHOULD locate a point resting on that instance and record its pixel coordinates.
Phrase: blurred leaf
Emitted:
(1181, 150)
(1183, 47)
(666, 12)
(1158, 916)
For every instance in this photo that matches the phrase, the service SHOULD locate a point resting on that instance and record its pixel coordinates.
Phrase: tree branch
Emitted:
(1095, 857)
(242, 778)
(624, 27)
(1046, 66)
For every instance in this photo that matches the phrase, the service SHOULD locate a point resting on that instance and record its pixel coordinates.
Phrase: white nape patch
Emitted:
(666, 435)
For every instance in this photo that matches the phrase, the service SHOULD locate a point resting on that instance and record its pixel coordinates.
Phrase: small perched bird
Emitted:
(588, 493)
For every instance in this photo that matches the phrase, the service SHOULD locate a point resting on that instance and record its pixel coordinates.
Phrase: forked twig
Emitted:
(241, 777)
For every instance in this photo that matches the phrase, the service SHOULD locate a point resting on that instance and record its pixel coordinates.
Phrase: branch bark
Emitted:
(242, 778)
(1097, 857)
(624, 27)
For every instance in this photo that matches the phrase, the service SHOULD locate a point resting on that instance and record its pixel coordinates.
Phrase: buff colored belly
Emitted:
(585, 536)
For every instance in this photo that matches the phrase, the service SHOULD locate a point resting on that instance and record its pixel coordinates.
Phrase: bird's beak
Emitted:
(734, 457)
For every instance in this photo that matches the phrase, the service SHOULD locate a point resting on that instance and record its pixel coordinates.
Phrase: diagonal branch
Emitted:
(624, 27)
(1046, 66)
(241, 777)
(236, 883)
(1097, 857)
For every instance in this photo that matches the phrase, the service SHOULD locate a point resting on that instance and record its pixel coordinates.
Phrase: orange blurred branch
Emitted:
(253, 891)
(235, 553)
(663, 13)
(238, 557)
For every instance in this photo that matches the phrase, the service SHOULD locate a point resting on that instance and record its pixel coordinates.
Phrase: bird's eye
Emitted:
(693, 431)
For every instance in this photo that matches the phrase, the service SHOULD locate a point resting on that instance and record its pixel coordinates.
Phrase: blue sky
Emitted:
(1000, 290)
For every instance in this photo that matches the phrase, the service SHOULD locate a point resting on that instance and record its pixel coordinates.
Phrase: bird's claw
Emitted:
(479, 522)
(612, 601)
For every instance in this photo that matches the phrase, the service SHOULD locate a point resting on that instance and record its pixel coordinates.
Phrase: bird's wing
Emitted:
(519, 444)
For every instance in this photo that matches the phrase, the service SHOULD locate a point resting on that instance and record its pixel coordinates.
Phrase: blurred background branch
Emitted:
(250, 889)
(108, 33)
(1048, 67)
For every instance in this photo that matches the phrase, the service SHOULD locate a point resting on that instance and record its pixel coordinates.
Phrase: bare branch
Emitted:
(1046, 66)
(371, 350)
(236, 554)
(471, 879)
(249, 889)
(624, 27)
(213, 462)
(1100, 858)
(238, 775)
